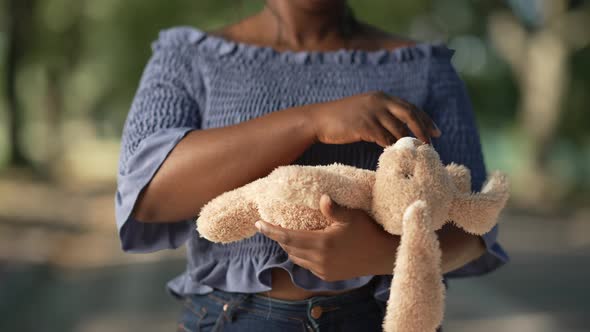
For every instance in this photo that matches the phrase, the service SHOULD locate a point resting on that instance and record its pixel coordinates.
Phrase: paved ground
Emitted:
(58, 273)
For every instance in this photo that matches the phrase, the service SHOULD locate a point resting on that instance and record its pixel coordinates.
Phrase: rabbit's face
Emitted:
(408, 171)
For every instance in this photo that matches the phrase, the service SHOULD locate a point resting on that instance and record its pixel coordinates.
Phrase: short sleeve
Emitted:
(166, 106)
(450, 107)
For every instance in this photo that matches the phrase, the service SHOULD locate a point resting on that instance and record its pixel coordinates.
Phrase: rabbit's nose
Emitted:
(408, 143)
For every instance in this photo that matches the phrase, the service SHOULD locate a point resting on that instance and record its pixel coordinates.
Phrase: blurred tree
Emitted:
(536, 39)
(20, 21)
(70, 69)
(62, 49)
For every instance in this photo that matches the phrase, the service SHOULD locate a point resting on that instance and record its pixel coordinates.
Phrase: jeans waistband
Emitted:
(347, 299)
(351, 297)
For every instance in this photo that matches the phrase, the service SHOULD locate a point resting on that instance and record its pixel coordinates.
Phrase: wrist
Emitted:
(310, 122)
(386, 262)
(459, 248)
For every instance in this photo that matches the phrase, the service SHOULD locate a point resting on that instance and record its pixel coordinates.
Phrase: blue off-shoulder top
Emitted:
(196, 81)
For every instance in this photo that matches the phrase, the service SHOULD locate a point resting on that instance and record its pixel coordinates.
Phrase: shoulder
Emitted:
(176, 59)
(373, 38)
(177, 37)
(440, 74)
(438, 55)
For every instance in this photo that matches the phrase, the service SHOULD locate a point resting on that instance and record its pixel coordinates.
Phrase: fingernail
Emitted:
(258, 225)
(438, 132)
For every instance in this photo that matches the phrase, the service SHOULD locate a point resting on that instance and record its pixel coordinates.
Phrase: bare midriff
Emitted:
(284, 289)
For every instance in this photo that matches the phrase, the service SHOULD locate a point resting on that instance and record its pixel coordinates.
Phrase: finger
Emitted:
(411, 119)
(425, 118)
(303, 263)
(432, 127)
(306, 254)
(334, 211)
(393, 125)
(414, 122)
(380, 134)
(290, 237)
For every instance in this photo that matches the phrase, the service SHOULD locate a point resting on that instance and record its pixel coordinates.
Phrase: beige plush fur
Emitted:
(411, 194)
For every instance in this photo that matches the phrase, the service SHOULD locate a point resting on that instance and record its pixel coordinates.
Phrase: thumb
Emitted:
(333, 210)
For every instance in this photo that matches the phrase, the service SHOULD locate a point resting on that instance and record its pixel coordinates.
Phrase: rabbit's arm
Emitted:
(231, 216)
(304, 185)
(477, 213)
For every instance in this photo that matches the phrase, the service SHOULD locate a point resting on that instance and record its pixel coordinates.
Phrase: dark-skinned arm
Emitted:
(207, 163)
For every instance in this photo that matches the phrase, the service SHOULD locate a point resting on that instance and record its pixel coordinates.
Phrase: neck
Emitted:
(300, 27)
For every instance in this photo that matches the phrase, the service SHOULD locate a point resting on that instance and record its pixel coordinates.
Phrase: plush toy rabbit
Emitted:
(411, 194)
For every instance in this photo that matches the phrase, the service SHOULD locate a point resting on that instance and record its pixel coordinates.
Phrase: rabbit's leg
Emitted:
(416, 301)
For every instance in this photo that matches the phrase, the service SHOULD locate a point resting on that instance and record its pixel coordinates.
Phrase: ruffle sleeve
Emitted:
(166, 106)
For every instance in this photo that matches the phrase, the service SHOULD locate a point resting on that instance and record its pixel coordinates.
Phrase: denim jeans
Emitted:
(356, 310)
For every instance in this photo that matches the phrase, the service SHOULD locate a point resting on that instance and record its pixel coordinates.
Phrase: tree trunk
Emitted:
(19, 17)
(538, 60)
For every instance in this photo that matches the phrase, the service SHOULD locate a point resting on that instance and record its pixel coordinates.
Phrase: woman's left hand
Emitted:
(353, 245)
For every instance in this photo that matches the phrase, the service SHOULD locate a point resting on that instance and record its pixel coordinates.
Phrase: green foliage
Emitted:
(90, 55)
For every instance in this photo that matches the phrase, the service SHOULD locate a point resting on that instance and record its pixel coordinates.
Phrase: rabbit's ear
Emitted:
(477, 213)
(461, 177)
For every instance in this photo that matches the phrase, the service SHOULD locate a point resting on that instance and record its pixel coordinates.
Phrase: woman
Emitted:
(300, 82)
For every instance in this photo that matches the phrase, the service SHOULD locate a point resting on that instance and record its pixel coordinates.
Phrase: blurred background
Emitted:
(69, 69)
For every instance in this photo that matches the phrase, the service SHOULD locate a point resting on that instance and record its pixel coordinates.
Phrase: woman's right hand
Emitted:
(372, 117)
